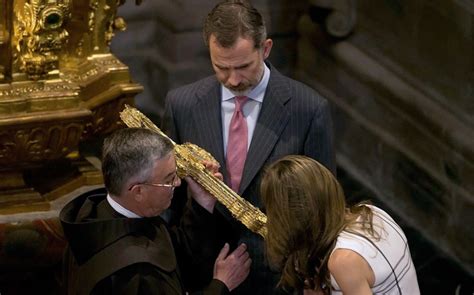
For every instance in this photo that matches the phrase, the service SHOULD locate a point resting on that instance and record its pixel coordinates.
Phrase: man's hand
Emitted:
(234, 268)
(199, 194)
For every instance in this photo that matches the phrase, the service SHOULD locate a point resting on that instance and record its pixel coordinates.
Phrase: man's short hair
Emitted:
(129, 155)
(232, 19)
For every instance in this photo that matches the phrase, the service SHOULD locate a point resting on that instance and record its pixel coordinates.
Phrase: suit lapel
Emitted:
(208, 122)
(272, 120)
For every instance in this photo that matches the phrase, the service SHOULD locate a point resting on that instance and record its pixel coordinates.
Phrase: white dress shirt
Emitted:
(120, 209)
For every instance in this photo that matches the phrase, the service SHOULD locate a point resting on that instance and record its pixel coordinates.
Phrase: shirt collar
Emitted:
(120, 209)
(257, 93)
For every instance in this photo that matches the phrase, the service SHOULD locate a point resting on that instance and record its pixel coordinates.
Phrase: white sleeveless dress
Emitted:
(391, 262)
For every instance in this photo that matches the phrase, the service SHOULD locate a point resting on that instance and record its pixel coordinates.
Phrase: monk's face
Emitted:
(157, 192)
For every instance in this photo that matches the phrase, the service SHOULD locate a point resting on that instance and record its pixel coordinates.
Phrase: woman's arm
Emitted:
(352, 272)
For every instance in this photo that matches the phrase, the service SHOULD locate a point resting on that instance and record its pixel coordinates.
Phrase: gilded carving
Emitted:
(59, 85)
(82, 76)
(109, 61)
(39, 143)
(32, 88)
(97, 66)
(39, 36)
(93, 5)
(103, 13)
(113, 23)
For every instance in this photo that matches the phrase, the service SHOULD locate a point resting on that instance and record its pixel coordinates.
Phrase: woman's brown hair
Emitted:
(306, 211)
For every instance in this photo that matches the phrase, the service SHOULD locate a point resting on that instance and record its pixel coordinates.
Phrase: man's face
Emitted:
(156, 199)
(240, 67)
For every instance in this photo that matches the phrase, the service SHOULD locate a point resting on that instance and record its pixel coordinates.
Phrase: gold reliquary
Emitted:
(59, 87)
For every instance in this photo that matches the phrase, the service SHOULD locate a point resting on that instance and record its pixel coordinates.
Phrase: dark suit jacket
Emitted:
(294, 119)
(119, 255)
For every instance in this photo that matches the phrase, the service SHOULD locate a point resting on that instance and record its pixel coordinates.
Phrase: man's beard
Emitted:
(241, 90)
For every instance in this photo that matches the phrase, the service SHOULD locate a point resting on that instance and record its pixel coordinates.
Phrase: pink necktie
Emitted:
(237, 143)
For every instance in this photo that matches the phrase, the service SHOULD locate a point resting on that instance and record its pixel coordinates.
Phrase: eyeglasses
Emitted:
(171, 185)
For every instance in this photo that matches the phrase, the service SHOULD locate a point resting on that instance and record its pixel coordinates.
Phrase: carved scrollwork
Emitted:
(39, 143)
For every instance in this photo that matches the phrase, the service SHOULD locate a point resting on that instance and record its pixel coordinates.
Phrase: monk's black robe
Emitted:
(113, 254)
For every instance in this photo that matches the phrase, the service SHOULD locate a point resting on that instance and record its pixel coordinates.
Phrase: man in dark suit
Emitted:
(279, 116)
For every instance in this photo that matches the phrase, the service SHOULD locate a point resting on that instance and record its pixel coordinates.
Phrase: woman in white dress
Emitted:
(323, 247)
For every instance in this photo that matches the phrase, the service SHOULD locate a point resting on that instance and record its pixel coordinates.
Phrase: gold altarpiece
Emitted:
(59, 87)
